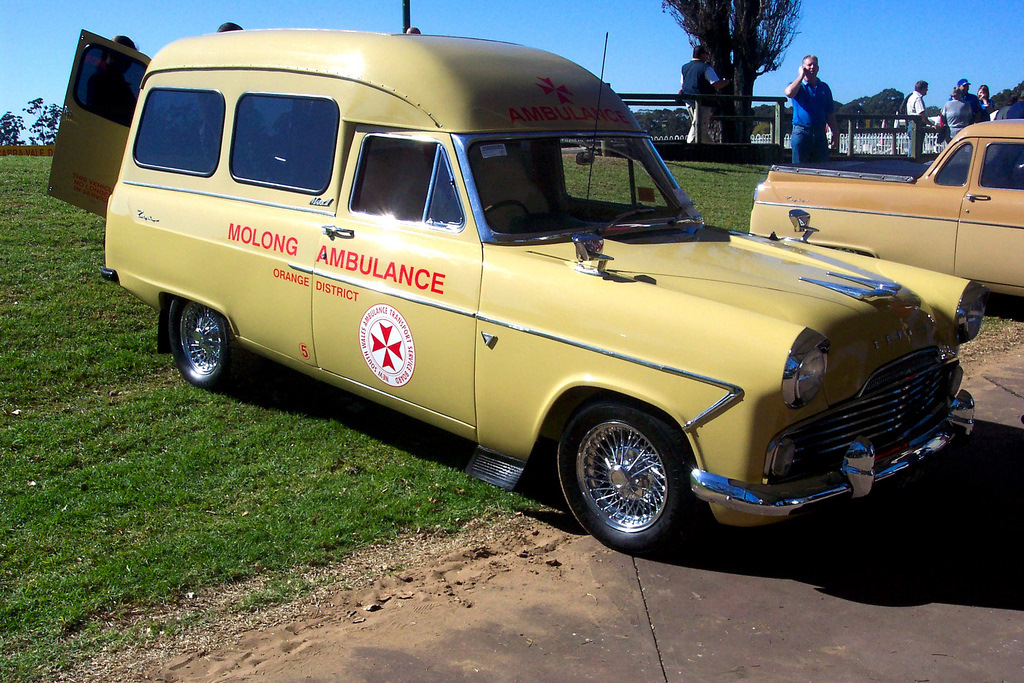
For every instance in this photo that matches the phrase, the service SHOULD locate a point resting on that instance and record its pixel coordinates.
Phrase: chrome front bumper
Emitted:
(854, 479)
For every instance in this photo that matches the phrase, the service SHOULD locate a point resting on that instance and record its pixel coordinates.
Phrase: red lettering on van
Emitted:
(269, 241)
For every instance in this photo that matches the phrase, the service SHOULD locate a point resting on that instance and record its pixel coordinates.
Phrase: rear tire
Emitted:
(625, 475)
(200, 343)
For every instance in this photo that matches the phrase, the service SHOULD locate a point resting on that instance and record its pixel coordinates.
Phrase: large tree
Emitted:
(746, 38)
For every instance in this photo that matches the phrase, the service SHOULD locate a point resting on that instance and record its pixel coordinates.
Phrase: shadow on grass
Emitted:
(950, 537)
(260, 382)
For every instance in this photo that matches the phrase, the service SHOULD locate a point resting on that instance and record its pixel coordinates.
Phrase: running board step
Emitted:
(495, 468)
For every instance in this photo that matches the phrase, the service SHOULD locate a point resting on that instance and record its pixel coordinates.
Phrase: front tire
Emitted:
(625, 475)
(200, 343)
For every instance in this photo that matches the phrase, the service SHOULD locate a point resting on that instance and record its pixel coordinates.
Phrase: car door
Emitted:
(397, 280)
(990, 238)
(98, 108)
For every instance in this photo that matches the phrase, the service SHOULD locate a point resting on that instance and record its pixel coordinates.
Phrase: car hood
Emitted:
(782, 280)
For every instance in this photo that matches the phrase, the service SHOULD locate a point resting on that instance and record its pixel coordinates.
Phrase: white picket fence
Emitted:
(867, 144)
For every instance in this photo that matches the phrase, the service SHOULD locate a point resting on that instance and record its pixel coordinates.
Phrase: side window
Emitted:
(180, 131)
(954, 171)
(107, 84)
(1003, 167)
(407, 179)
(285, 141)
(444, 209)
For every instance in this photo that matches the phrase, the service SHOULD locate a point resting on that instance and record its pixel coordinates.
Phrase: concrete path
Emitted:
(910, 584)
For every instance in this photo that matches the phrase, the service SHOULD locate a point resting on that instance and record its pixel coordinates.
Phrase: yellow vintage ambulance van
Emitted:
(479, 235)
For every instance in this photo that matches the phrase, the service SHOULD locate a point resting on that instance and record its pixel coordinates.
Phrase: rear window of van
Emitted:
(285, 142)
(180, 131)
(107, 83)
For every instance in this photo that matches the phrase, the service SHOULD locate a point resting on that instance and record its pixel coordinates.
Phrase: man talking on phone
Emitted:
(813, 110)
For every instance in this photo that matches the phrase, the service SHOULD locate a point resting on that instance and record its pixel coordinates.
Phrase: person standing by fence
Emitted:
(699, 78)
(813, 110)
(957, 112)
(915, 118)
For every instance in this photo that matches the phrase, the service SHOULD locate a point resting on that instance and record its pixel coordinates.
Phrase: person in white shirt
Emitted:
(916, 120)
(915, 103)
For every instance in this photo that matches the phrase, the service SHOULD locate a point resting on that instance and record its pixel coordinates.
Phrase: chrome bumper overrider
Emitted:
(854, 479)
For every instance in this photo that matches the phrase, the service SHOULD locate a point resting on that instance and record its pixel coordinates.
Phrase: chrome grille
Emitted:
(900, 401)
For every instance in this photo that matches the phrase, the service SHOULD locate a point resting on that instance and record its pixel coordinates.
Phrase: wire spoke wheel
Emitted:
(625, 473)
(622, 476)
(201, 343)
(202, 338)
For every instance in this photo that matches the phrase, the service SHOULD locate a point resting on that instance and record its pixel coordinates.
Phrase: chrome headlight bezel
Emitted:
(806, 365)
(970, 311)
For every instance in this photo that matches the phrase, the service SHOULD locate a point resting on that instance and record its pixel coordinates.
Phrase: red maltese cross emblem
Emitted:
(386, 342)
(549, 87)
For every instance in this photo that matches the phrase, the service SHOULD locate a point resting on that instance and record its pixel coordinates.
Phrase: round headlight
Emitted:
(805, 368)
(970, 311)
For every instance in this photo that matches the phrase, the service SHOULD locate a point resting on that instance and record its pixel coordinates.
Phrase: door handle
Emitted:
(978, 198)
(341, 233)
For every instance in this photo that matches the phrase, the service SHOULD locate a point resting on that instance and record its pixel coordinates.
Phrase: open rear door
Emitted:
(98, 110)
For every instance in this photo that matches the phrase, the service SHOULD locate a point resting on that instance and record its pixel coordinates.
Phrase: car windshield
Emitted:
(543, 186)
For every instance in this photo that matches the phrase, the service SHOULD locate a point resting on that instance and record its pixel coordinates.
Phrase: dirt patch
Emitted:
(379, 593)
(420, 572)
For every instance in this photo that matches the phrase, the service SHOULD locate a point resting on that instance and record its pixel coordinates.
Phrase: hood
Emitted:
(784, 281)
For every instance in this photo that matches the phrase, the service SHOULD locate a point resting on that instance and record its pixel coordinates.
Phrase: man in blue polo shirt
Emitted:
(813, 109)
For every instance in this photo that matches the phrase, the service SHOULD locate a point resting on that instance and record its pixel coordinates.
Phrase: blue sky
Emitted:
(863, 47)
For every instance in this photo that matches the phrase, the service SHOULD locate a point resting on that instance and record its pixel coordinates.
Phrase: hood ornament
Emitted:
(801, 221)
(589, 258)
(863, 288)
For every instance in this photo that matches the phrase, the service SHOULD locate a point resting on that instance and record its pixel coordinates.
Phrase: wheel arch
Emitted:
(577, 398)
(163, 321)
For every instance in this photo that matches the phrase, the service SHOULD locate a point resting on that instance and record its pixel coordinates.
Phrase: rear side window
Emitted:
(284, 141)
(180, 131)
(107, 84)
(407, 179)
(954, 172)
(1004, 167)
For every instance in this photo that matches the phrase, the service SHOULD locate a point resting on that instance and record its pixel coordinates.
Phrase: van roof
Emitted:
(460, 85)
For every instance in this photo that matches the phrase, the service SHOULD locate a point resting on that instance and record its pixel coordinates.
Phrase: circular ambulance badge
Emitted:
(387, 345)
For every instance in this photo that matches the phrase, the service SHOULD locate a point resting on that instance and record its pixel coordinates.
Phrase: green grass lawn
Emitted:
(122, 487)
(723, 193)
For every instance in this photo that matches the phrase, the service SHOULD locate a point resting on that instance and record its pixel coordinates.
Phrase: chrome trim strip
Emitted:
(235, 198)
(733, 392)
(993, 225)
(843, 174)
(732, 395)
(808, 207)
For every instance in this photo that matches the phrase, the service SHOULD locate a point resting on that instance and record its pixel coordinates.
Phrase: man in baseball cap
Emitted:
(978, 112)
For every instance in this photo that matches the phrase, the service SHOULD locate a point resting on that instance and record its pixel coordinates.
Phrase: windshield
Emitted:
(534, 187)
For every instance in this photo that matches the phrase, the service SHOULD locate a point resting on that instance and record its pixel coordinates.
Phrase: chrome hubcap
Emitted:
(201, 338)
(622, 476)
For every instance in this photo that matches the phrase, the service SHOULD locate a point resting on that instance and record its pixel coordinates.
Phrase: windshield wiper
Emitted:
(639, 211)
(694, 222)
(679, 217)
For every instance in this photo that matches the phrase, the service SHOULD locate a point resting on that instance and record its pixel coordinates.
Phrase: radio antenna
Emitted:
(597, 113)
